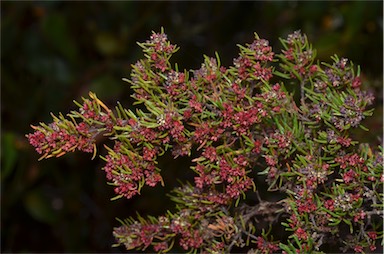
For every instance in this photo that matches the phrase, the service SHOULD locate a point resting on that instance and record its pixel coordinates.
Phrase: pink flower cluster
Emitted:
(62, 136)
(175, 83)
(349, 160)
(172, 123)
(143, 235)
(58, 138)
(265, 246)
(232, 174)
(190, 227)
(253, 61)
(301, 60)
(128, 170)
(241, 128)
(159, 43)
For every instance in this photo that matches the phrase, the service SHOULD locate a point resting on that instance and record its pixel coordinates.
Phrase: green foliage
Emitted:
(39, 76)
(239, 123)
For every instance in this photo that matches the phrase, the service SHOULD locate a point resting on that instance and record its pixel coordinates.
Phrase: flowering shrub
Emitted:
(275, 123)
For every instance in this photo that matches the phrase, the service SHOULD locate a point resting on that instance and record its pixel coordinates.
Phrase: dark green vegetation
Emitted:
(54, 52)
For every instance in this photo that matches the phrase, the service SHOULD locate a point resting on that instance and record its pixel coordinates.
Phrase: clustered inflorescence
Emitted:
(276, 120)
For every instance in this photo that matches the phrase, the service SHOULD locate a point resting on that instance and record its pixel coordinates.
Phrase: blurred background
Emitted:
(53, 52)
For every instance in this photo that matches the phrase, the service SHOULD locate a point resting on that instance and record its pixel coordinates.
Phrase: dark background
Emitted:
(55, 51)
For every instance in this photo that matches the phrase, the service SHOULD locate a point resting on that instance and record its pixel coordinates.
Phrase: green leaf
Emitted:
(363, 127)
(281, 75)
(334, 222)
(117, 197)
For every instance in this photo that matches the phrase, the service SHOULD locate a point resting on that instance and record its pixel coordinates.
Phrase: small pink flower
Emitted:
(329, 204)
(301, 234)
(160, 246)
(210, 153)
(359, 216)
(349, 176)
(372, 235)
(257, 146)
(344, 141)
(313, 68)
(306, 206)
(356, 82)
(271, 161)
(358, 248)
(149, 154)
